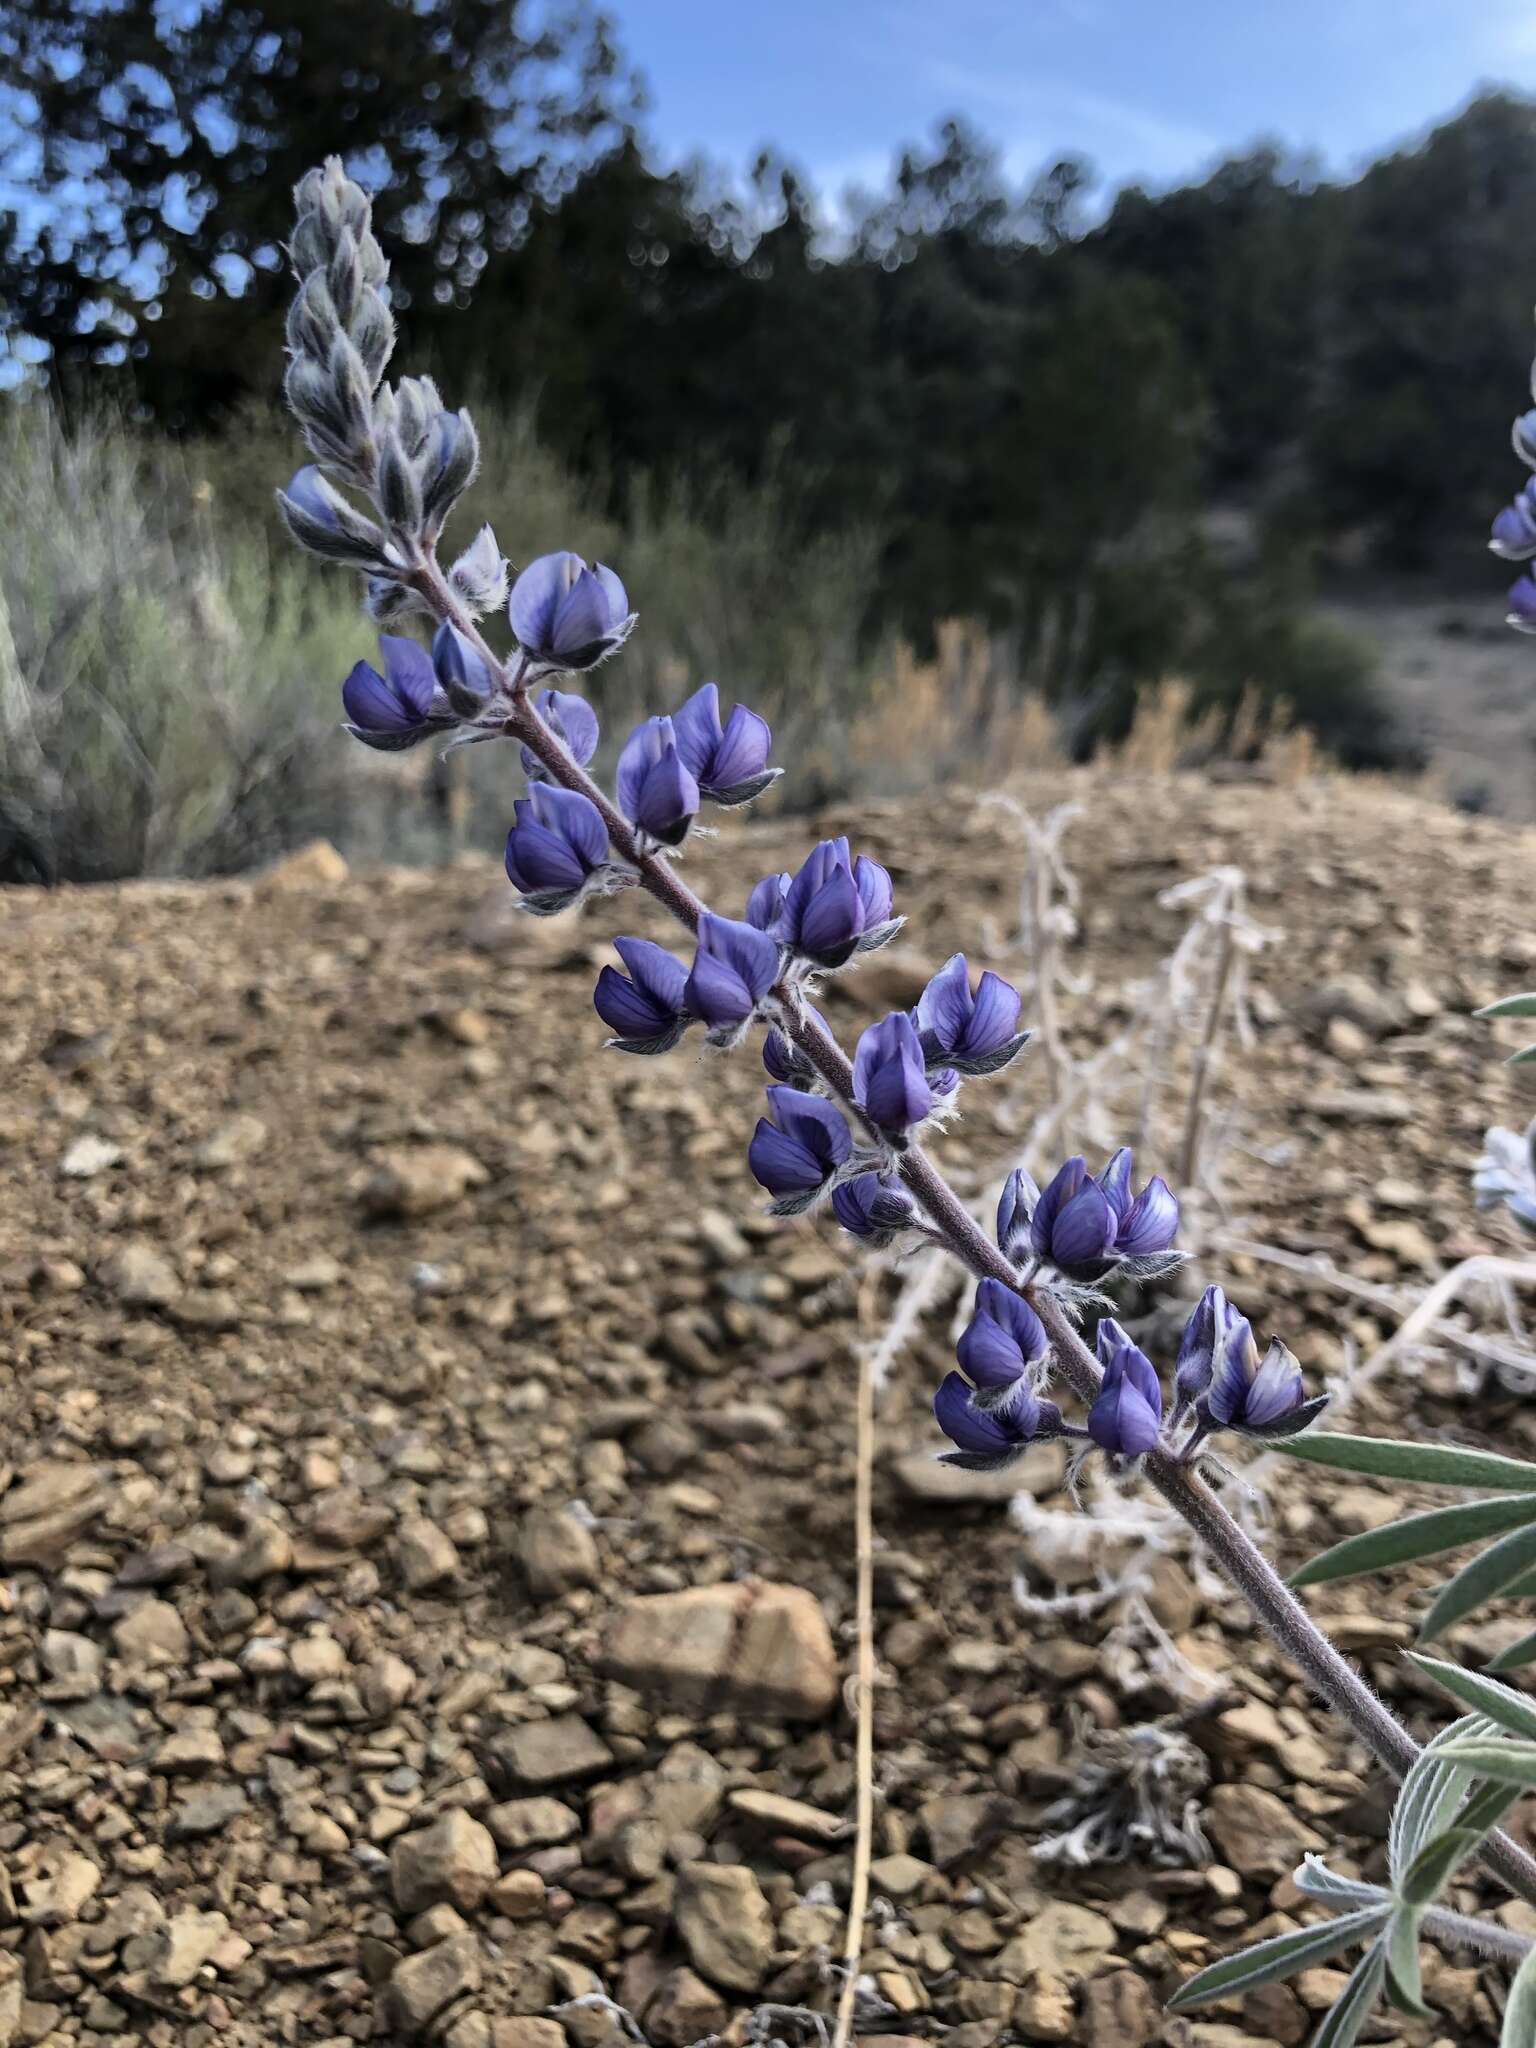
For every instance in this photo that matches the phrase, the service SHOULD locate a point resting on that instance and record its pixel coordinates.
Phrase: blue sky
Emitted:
(1149, 89)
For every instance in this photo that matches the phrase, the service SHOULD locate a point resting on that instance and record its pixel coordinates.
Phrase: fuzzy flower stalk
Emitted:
(842, 1137)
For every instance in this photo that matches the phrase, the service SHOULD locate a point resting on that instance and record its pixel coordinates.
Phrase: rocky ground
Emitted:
(426, 1511)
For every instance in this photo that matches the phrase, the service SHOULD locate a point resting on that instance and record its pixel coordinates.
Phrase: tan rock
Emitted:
(557, 1552)
(1257, 1834)
(684, 2009)
(723, 1921)
(552, 1752)
(539, 1823)
(151, 1633)
(423, 1985)
(748, 1647)
(427, 1556)
(237, 1139)
(139, 1276)
(454, 1860)
(188, 1940)
(1121, 2007)
(417, 1180)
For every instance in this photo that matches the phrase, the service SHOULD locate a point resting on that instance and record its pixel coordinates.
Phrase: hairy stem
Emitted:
(1460, 1930)
(1233, 1552)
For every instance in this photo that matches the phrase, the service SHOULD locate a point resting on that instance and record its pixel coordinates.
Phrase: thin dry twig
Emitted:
(864, 1677)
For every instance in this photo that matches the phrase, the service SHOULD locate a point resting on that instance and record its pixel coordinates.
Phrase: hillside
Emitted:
(338, 1261)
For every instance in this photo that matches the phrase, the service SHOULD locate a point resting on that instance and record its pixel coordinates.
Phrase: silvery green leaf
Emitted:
(1521, 1059)
(1283, 1955)
(1352, 2008)
(399, 487)
(1430, 1464)
(1485, 1578)
(1503, 1759)
(1405, 1981)
(1424, 1535)
(1501, 1704)
(1509, 1006)
(1521, 1652)
(1431, 1870)
(1319, 1882)
(1520, 2013)
(1431, 1794)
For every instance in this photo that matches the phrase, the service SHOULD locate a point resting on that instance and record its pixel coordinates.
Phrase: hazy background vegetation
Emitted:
(1208, 434)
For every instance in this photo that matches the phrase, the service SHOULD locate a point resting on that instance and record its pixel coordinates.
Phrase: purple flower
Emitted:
(1204, 1339)
(1003, 1346)
(1085, 1226)
(973, 1033)
(567, 616)
(784, 1059)
(1127, 1413)
(989, 1438)
(647, 1009)
(557, 844)
(890, 1081)
(462, 673)
(733, 969)
(399, 708)
(796, 1154)
(1522, 604)
(572, 721)
(765, 905)
(1254, 1398)
(655, 789)
(834, 907)
(873, 1206)
(1513, 535)
(730, 762)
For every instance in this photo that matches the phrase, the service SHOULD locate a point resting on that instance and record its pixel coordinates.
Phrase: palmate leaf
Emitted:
(1430, 1871)
(1497, 1757)
(1523, 1057)
(1424, 1535)
(1352, 2008)
(1509, 1006)
(1485, 1578)
(1502, 1704)
(1430, 1464)
(1313, 1877)
(1281, 1956)
(1520, 2012)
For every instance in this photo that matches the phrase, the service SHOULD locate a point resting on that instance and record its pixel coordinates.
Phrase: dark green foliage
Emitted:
(1040, 418)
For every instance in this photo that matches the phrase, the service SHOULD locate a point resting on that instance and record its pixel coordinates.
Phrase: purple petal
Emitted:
(669, 797)
(1121, 1420)
(874, 886)
(584, 618)
(655, 971)
(537, 596)
(409, 672)
(1014, 1209)
(780, 1164)
(983, 1435)
(1226, 1398)
(627, 1010)
(697, 730)
(1203, 1332)
(1277, 1388)
(815, 871)
(716, 992)
(1152, 1221)
(371, 705)
(455, 659)
(743, 750)
(994, 1016)
(750, 953)
(615, 593)
(572, 719)
(833, 918)
(1058, 1191)
(945, 1006)
(538, 858)
(1115, 1180)
(816, 1125)
(575, 817)
(639, 754)
(1085, 1228)
(767, 901)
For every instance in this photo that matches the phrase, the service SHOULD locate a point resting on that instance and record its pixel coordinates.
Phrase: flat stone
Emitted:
(237, 1139)
(416, 1181)
(139, 1276)
(207, 1813)
(1063, 1941)
(781, 1816)
(750, 1647)
(723, 1921)
(427, 1556)
(557, 1552)
(684, 2009)
(1257, 1833)
(539, 1823)
(64, 1883)
(151, 1633)
(190, 1753)
(551, 1752)
(188, 1939)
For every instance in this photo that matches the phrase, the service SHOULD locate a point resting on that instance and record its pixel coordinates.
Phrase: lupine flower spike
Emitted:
(1254, 1397)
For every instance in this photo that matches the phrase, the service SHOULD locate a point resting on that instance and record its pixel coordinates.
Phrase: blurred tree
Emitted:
(152, 149)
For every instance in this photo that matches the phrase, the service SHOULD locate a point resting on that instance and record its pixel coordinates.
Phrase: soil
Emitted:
(372, 1341)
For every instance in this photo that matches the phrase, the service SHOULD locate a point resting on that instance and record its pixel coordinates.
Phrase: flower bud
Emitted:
(835, 907)
(733, 969)
(872, 1206)
(988, 1439)
(1003, 1346)
(730, 762)
(796, 1155)
(557, 844)
(890, 1081)
(1126, 1416)
(973, 1033)
(655, 790)
(399, 708)
(566, 616)
(572, 721)
(647, 1010)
